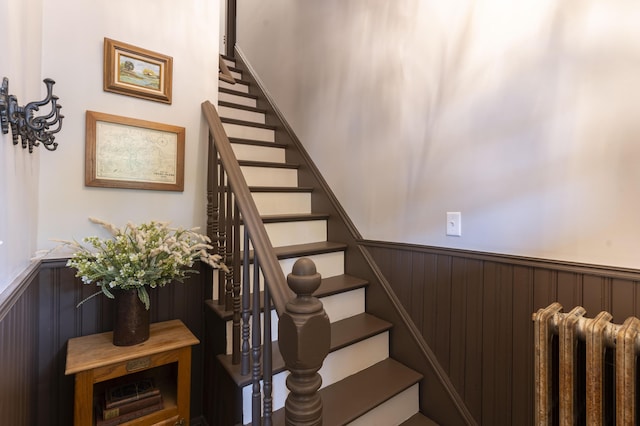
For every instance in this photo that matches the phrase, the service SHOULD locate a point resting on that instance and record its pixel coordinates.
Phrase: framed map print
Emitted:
(123, 152)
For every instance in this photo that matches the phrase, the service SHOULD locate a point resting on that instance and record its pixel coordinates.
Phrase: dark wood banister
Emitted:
(304, 328)
(262, 247)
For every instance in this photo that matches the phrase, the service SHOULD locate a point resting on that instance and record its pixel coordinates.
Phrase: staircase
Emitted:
(361, 383)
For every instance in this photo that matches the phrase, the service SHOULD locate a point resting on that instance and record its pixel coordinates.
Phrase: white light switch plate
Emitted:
(454, 224)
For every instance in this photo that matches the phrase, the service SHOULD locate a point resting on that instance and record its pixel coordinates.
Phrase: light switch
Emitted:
(454, 224)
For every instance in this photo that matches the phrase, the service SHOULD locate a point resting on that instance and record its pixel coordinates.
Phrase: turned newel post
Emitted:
(304, 335)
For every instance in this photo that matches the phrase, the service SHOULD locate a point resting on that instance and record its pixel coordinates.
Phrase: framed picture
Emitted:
(138, 72)
(124, 152)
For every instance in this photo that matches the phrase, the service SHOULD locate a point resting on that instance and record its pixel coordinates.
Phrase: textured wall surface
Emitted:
(521, 115)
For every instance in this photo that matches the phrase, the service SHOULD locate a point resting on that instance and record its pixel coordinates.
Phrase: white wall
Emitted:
(521, 115)
(72, 55)
(20, 45)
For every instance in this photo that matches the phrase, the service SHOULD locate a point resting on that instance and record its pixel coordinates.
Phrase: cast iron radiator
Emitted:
(585, 368)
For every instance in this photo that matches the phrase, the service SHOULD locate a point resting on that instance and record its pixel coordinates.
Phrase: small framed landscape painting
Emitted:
(134, 71)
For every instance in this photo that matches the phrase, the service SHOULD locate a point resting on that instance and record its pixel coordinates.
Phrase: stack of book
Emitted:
(128, 401)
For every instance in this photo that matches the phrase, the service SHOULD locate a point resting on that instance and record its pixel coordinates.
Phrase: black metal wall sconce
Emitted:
(32, 129)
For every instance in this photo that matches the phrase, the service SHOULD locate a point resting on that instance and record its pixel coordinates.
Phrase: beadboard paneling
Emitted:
(41, 316)
(474, 310)
(19, 352)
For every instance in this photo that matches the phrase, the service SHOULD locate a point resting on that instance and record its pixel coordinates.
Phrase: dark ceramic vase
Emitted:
(131, 319)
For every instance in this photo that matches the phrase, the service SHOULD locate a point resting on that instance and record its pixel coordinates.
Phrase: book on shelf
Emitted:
(129, 416)
(128, 407)
(120, 394)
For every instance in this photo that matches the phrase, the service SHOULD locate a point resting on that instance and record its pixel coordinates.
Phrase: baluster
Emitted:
(255, 343)
(246, 306)
(304, 339)
(212, 204)
(228, 287)
(267, 364)
(222, 236)
(236, 285)
(212, 184)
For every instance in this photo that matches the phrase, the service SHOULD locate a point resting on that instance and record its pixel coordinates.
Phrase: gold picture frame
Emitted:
(138, 72)
(124, 152)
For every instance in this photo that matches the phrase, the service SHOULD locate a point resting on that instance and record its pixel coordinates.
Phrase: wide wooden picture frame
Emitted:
(138, 72)
(123, 152)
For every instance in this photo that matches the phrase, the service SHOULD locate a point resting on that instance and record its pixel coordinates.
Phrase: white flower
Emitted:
(150, 254)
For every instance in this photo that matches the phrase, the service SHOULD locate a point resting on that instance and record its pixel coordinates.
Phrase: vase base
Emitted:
(131, 322)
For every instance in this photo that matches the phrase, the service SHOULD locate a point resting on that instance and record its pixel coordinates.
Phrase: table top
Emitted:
(97, 350)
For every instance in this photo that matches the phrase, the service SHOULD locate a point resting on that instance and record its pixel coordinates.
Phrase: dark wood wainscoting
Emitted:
(474, 311)
(37, 322)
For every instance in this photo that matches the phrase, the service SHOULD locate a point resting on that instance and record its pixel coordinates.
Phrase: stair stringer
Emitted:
(439, 399)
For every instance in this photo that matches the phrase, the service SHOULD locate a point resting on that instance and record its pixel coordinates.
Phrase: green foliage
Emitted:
(151, 254)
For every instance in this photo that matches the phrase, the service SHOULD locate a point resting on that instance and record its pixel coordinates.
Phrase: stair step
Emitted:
(289, 229)
(237, 98)
(230, 60)
(256, 152)
(298, 250)
(236, 93)
(239, 85)
(280, 202)
(241, 112)
(329, 287)
(251, 163)
(419, 419)
(247, 124)
(281, 189)
(347, 400)
(269, 174)
(253, 142)
(293, 217)
(248, 130)
(242, 107)
(343, 333)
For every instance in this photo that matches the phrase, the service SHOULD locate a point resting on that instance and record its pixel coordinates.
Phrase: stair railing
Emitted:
(304, 330)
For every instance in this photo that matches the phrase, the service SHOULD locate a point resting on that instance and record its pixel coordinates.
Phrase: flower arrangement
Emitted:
(151, 254)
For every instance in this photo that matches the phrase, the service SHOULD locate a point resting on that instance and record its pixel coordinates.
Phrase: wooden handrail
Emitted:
(224, 73)
(273, 276)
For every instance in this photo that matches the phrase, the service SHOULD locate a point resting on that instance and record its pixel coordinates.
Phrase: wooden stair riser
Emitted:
(327, 264)
(238, 86)
(237, 99)
(229, 62)
(241, 114)
(247, 132)
(331, 265)
(394, 411)
(354, 358)
(338, 365)
(337, 307)
(270, 176)
(271, 203)
(258, 153)
(291, 233)
(281, 203)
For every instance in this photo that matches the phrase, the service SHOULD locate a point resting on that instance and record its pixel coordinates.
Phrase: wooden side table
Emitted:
(95, 361)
